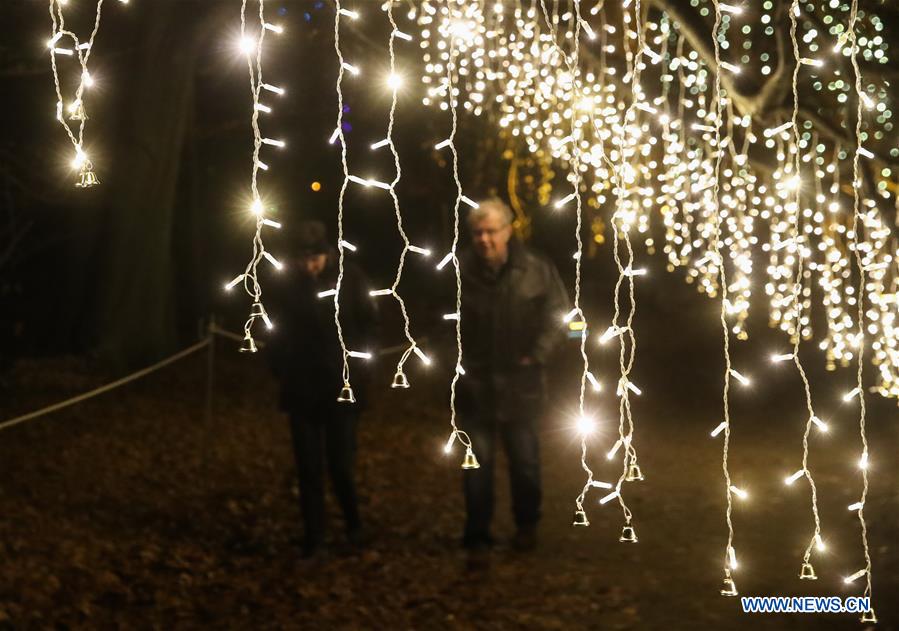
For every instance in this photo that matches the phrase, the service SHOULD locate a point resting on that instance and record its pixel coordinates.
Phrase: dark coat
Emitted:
(507, 316)
(303, 351)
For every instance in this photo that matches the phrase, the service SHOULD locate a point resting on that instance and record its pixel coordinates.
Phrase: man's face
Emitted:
(313, 264)
(490, 236)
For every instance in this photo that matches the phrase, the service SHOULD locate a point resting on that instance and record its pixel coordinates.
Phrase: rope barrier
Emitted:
(213, 330)
(106, 388)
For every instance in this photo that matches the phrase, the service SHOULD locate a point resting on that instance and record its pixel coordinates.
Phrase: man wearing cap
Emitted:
(513, 302)
(307, 360)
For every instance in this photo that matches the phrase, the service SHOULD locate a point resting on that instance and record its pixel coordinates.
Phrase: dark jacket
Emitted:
(507, 316)
(303, 350)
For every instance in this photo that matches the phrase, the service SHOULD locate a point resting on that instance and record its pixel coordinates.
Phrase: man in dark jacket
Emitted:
(306, 358)
(513, 304)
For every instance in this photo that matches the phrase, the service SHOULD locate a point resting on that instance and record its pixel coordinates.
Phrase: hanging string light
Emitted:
(576, 319)
(729, 587)
(629, 214)
(857, 242)
(453, 28)
(800, 252)
(400, 380)
(251, 44)
(75, 110)
(346, 394)
(510, 62)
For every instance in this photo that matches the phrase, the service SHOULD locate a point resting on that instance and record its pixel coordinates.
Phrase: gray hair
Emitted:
(492, 205)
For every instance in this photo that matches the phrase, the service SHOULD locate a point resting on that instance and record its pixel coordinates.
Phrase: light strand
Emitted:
(470, 460)
(868, 616)
(729, 586)
(346, 392)
(252, 46)
(807, 571)
(76, 110)
(399, 379)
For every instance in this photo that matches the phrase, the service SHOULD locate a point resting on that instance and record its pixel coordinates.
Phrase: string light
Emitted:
(687, 153)
(400, 380)
(729, 586)
(346, 394)
(869, 615)
(807, 571)
(573, 66)
(252, 47)
(87, 178)
(453, 41)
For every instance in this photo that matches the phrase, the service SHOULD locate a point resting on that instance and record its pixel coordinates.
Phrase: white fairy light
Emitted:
(719, 428)
(452, 42)
(585, 426)
(445, 260)
(729, 586)
(346, 392)
(571, 61)
(741, 493)
(82, 50)
(400, 380)
(469, 201)
(740, 377)
(252, 46)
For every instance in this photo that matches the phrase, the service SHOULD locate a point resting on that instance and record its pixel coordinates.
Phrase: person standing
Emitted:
(513, 302)
(306, 359)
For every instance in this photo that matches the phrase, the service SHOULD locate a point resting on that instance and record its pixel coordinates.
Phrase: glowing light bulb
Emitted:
(424, 358)
(794, 477)
(565, 200)
(608, 498)
(275, 262)
(469, 201)
(443, 262)
(394, 81)
(739, 492)
(233, 283)
(585, 425)
(720, 428)
(732, 558)
(247, 45)
(781, 357)
(852, 394)
(739, 377)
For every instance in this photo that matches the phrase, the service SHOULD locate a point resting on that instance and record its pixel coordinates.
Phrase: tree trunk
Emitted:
(136, 311)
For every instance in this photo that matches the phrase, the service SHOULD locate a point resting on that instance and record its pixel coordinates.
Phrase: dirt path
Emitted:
(131, 511)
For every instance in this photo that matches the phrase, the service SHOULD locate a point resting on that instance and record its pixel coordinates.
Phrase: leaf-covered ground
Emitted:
(134, 510)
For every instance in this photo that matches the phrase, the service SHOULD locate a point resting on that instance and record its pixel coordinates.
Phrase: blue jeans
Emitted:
(519, 439)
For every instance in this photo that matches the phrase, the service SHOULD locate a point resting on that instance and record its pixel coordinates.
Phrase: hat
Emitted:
(311, 237)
